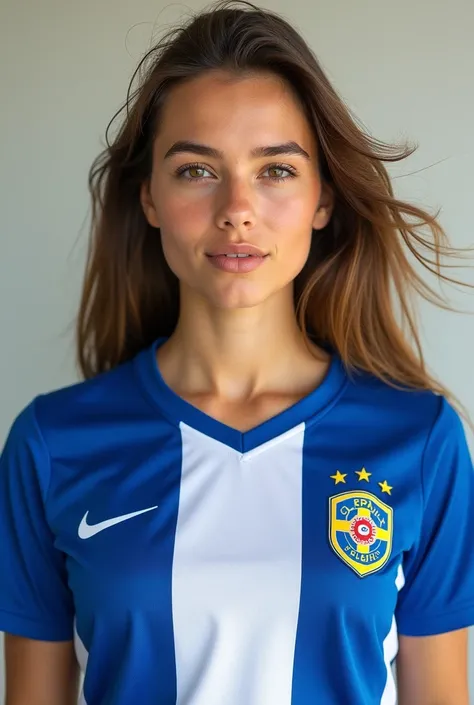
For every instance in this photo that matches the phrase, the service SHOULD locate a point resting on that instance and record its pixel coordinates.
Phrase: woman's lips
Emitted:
(236, 264)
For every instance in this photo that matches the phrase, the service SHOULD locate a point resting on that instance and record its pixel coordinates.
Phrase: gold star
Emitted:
(363, 474)
(339, 477)
(385, 487)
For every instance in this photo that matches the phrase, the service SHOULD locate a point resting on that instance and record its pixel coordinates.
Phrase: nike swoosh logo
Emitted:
(86, 530)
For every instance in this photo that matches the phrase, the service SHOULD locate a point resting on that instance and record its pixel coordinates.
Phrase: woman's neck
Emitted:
(240, 354)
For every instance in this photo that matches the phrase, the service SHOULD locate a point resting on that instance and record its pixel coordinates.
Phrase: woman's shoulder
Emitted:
(399, 406)
(81, 403)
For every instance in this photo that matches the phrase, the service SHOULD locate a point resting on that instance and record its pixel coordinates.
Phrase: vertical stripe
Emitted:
(82, 658)
(130, 609)
(390, 650)
(315, 634)
(390, 647)
(237, 571)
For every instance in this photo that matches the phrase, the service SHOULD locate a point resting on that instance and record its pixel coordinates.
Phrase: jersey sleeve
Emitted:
(35, 600)
(438, 594)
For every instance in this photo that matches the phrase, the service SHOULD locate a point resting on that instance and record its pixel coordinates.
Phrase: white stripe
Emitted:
(237, 571)
(390, 650)
(82, 658)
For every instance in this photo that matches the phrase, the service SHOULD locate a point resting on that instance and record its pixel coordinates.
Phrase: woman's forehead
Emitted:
(225, 113)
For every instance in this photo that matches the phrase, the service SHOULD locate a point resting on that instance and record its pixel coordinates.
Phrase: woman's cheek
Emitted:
(176, 252)
(173, 208)
(286, 209)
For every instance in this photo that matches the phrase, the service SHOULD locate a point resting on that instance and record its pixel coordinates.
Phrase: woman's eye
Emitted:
(277, 173)
(196, 172)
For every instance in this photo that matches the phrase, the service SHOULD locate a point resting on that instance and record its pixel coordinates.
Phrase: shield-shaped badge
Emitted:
(360, 530)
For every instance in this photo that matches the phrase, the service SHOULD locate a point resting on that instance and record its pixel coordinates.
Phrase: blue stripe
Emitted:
(309, 648)
(141, 639)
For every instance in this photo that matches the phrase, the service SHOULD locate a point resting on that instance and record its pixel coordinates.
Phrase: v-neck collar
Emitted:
(178, 410)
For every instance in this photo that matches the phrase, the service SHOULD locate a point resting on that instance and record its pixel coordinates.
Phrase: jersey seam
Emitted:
(430, 621)
(321, 413)
(42, 623)
(151, 401)
(436, 616)
(425, 449)
(45, 447)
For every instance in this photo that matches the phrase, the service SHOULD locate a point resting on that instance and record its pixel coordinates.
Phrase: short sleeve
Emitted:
(35, 600)
(438, 595)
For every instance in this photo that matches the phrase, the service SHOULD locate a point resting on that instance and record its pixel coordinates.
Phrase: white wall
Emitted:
(404, 67)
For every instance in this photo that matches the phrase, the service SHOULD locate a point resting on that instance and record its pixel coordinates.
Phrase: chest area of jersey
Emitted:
(223, 528)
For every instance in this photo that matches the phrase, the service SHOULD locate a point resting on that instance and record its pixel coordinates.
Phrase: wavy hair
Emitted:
(355, 292)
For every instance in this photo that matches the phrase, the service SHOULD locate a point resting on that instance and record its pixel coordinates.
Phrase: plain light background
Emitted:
(404, 68)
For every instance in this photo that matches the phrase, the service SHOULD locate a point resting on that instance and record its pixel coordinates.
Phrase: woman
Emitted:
(258, 496)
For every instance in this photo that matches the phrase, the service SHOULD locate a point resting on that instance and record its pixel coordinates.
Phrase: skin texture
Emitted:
(40, 672)
(237, 352)
(236, 200)
(433, 670)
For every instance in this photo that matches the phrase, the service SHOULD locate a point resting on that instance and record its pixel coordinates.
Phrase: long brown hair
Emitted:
(355, 291)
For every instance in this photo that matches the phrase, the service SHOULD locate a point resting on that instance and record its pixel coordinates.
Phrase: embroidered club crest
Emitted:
(360, 530)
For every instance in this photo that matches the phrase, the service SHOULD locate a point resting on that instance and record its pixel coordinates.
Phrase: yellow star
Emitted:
(339, 477)
(385, 487)
(363, 474)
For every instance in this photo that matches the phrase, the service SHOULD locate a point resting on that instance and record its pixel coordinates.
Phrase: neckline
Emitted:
(177, 410)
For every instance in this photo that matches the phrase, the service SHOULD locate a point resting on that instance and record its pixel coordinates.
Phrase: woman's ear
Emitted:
(325, 208)
(148, 205)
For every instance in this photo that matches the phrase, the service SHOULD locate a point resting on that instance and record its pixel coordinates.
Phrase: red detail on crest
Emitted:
(363, 530)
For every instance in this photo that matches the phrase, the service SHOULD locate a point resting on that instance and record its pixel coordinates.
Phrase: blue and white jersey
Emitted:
(197, 565)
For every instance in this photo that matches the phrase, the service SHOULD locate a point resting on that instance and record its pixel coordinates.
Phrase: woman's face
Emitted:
(235, 165)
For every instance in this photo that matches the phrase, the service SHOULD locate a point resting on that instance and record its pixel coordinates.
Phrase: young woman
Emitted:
(258, 496)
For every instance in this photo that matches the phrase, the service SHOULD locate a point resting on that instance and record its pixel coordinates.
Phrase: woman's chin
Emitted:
(237, 297)
(236, 293)
(234, 303)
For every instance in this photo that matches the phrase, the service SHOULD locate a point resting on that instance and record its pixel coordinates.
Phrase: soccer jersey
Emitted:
(194, 564)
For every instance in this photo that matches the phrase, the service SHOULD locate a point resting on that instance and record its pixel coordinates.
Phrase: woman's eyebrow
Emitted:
(287, 148)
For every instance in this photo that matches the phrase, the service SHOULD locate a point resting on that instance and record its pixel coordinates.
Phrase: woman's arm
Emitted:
(432, 670)
(40, 672)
